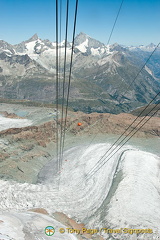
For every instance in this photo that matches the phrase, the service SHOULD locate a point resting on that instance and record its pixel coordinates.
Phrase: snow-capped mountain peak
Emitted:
(147, 48)
(83, 46)
(33, 38)
(6, 47)
(151, 45)
(89, 46)
(44, 51)
(80, 38)
(117, 47)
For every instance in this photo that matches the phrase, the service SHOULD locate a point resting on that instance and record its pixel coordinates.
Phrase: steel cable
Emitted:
(70, 71)
(64, 80)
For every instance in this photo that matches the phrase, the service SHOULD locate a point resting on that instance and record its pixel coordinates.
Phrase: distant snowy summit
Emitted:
(40, 54)
(83, 43)
(148, 48)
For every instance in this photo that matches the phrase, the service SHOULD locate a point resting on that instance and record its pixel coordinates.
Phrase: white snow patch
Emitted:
(95, 51)
(8, 51)
(54, 44)
(6, 123)
(38, 47)
(30, 47)
(148, 70)
(82, 47)
(11, 227)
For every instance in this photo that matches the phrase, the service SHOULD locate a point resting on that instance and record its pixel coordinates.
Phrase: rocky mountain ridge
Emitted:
(100, 73)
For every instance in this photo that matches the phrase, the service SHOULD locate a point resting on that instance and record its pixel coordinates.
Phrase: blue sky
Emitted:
(138, 22)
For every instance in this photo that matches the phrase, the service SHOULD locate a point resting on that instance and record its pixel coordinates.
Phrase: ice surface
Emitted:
(28, 226)
(6, 123)
(138, 193)
(125, 192)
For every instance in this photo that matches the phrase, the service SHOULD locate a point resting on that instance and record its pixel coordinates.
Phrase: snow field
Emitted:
(6, 123)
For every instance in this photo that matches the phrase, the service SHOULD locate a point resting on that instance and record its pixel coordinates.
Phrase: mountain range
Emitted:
(101, 78)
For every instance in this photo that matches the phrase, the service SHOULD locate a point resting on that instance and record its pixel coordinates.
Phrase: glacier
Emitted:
(124, 193)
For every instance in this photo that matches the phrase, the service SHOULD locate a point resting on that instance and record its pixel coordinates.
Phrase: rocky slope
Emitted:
(148, 111)
(25, 150)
